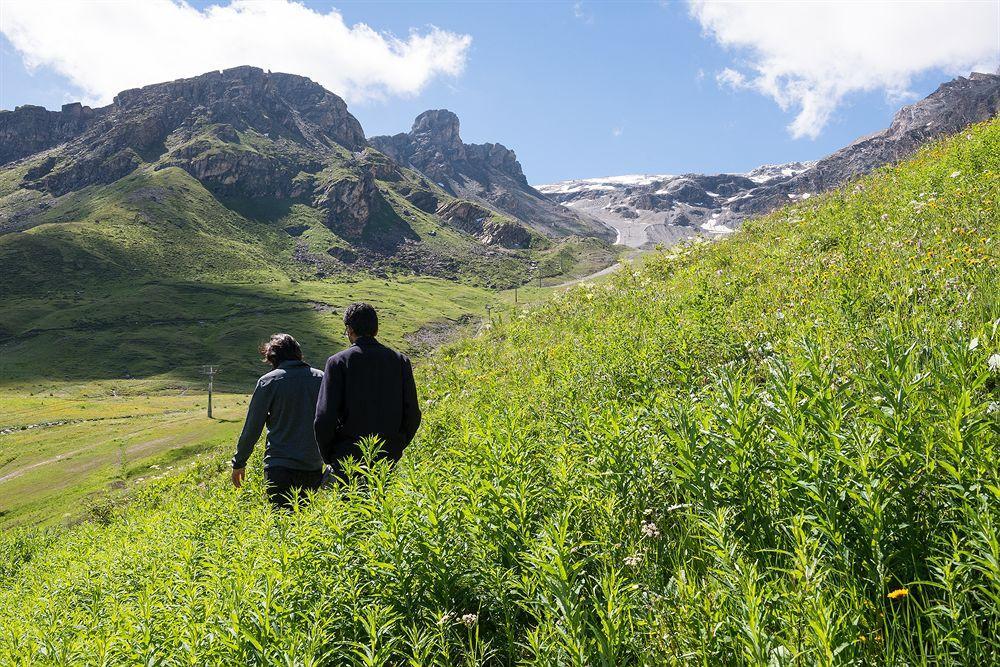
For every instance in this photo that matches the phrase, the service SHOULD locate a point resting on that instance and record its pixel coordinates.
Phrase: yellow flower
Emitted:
(898, 593)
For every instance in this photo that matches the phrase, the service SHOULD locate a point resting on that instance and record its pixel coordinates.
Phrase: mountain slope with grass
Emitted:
(234, 176)
(779, 448)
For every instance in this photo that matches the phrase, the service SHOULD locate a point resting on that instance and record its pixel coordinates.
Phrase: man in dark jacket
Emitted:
(367, 389)
(284, 400)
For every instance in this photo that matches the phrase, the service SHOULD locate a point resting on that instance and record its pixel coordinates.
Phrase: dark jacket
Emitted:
(367, 389)
(285, 400)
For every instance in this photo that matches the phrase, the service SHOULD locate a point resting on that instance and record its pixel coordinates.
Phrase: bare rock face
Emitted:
(348, 203)
(649, 209)
(190, 120)
(489, 174)
(484, 224)
(30, 129)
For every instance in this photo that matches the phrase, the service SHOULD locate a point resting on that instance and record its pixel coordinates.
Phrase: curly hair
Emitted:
(281, 347)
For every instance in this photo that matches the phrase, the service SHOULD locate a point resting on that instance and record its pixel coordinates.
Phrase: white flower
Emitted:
(469, 620)
(955, 174)
(973, 344)
(650, 530)
(994, 363)
(993, 408)
(633, 561)
(447, 618)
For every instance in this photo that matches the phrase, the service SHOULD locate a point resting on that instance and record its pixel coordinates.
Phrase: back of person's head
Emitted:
(362, 319)
(280, 348)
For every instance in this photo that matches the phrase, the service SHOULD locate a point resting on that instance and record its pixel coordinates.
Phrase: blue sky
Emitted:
(588, 89)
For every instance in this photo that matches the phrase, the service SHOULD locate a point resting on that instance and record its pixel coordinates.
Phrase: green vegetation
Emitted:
(740, 453)
(98, 388)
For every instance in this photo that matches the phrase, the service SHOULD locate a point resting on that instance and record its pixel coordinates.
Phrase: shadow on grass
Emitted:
(124, 332)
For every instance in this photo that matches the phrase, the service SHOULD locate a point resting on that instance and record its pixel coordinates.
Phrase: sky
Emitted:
(577, 89)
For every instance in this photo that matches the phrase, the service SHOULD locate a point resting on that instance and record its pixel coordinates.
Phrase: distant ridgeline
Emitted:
(665, 208)
(244, 174)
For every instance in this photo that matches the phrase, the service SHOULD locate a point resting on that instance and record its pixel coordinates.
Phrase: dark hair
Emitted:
(362, 318)
(281, 347)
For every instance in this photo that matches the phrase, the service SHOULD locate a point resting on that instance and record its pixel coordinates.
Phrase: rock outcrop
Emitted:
(197, 124)
(484, 224)
(489, 174)
(30, 129)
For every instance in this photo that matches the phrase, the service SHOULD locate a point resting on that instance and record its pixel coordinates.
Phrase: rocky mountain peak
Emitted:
(225, 117)
(487, 174)
(437, 126)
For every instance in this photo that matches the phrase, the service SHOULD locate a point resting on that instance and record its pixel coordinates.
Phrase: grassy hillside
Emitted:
(119, 293)
(780, 448)
(99, 389)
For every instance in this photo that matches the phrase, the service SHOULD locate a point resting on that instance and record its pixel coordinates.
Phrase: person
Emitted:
(367, 390)
(284, 400)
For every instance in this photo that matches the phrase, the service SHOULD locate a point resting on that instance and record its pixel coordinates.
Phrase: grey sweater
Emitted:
(284, 400)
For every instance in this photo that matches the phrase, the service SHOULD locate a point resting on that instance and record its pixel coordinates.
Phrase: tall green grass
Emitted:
(776, 449)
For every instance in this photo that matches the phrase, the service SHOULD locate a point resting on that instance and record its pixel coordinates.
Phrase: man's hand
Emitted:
(238, 474)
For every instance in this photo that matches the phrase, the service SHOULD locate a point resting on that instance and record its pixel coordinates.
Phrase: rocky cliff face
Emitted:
(243, 133)
(199, 123)
(488, 174)
(30, 129)
(647, 209)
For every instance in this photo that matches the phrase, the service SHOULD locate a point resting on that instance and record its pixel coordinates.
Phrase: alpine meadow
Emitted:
(776, 448)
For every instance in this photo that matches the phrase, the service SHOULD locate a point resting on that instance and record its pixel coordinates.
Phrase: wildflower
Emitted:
(993, 408)
(634, 560)
(449, 617)
(898, 593)
(993, 363)
(650, 530)
(955, 174)
(469, 620)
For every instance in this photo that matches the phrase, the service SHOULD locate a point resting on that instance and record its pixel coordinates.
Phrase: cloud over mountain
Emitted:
(104, 47)
(809, 56)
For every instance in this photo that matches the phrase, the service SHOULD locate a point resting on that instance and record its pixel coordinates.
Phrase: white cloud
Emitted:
(105, 46)
(809, 56)
(617, 131)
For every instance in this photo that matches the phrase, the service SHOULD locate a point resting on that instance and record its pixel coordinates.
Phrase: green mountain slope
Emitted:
(741, 453)
(236, 176)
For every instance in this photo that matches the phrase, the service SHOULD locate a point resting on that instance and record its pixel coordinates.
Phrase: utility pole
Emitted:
(211, 372)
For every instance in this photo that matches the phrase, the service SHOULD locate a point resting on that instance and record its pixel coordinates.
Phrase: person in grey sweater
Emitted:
(285, 401)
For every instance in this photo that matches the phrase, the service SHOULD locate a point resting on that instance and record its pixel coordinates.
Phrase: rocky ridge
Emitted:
(488, 174)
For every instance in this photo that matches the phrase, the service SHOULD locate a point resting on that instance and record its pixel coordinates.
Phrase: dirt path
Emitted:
(597, 274)
(59, 457)
(603, 272)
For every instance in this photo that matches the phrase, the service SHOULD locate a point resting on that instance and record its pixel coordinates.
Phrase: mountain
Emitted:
(648, 209)
(241, 175)
(488, 174)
